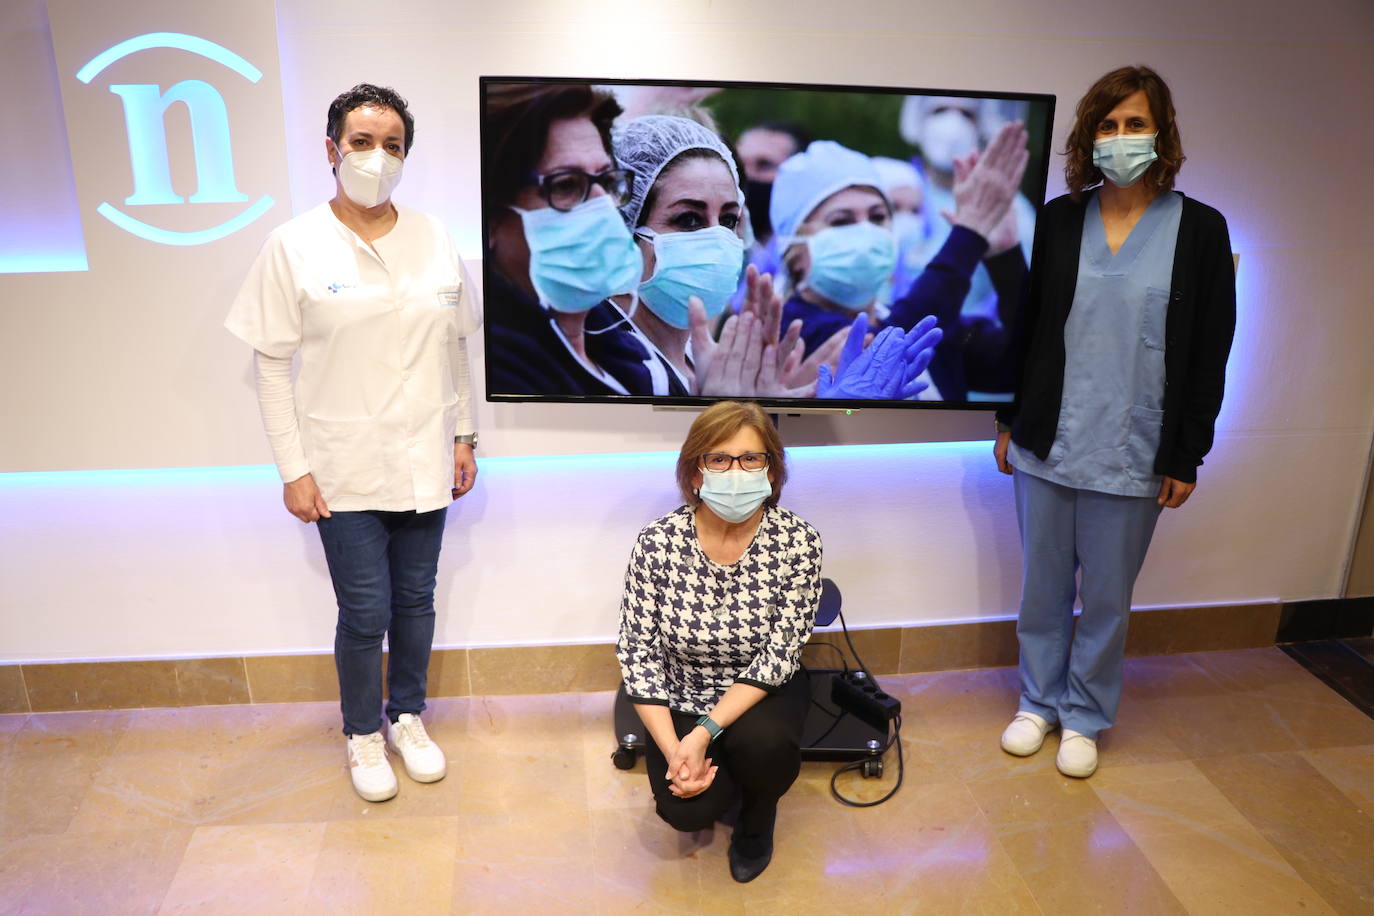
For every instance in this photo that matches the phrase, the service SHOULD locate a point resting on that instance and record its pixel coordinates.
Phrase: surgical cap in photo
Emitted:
(915, 109)
(896, 173)
(647, 144)
(805, 180)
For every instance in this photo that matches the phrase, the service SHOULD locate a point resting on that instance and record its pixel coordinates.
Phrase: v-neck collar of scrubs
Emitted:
(1100, 253)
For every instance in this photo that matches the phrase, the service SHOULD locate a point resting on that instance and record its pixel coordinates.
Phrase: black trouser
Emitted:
(759, 757)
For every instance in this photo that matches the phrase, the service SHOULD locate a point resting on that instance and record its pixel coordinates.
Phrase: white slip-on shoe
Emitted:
(1025, 734)
(1077, 754)
(369, 768)
(423, 758)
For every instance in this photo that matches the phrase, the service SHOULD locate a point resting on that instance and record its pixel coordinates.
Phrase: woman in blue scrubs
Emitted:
(1121, 348)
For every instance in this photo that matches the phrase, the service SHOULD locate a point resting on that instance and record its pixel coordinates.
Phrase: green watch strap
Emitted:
(711, 727)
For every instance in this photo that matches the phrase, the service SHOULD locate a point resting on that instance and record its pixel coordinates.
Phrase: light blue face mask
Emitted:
(850, 264)
(1125, 157)
(580, 256)
(705, 263)
(735, 494)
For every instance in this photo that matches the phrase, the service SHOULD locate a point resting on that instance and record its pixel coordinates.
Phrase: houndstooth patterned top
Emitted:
(691, 627)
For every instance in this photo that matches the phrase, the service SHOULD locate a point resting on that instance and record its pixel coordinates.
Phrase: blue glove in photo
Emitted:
(888, 369)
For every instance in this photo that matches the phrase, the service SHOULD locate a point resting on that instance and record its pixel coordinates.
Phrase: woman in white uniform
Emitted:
(377, 436)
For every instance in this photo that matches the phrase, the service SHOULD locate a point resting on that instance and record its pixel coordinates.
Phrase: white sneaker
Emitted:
(373, 778)
(1077, 754)
(1025, 734)
(424, 761)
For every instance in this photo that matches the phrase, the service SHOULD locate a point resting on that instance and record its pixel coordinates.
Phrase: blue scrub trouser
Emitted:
(1072, 675)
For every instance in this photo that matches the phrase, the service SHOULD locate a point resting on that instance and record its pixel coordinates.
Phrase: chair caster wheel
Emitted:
(623, 758)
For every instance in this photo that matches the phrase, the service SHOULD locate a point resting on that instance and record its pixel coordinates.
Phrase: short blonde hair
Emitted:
(719, 422)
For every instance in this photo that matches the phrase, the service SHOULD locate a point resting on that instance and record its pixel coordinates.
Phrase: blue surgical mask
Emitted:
(850, 264)
(705, 263)
(581, 256)
(1125, 157)
(736, 494)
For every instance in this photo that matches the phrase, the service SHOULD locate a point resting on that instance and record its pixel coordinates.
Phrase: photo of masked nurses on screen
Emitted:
(677, 242)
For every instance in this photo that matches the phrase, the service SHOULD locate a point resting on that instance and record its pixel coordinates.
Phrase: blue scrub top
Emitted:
(1111, 412)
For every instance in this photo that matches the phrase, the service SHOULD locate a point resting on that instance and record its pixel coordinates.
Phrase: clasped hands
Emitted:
(689, 769)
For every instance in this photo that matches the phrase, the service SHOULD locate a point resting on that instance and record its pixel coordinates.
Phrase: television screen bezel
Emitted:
(774, 405)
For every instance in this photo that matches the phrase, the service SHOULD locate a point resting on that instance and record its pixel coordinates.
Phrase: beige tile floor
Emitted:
(1235, 783)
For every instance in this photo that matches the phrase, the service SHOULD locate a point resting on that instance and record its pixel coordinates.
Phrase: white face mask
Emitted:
(908, 227)
(368, 176)
(946, 136)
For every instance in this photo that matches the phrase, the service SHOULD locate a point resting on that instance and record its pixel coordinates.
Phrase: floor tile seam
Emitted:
(1096, 822)
(997, 837)
(1269, 832)
(1213, 831)
(1357, 803)
(247, 681)
(315, 864)
(24, 686)
(1354, 663)
(1278, 863)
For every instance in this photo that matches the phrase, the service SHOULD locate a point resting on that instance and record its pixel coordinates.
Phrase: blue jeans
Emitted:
(1072, 674)
(383, 566)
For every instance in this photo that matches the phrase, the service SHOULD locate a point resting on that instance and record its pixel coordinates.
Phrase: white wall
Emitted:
(1270, 99)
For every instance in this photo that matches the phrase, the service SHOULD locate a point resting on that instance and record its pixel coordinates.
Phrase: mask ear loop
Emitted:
(624, 315)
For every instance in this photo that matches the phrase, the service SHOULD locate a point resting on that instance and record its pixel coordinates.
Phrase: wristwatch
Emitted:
(711, 727)
(467, 439)
(999, 426)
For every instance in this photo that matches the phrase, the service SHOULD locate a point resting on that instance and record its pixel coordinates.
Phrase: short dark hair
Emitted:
(364, 95)
(1104, 95)
(800, 135)
(517, 121)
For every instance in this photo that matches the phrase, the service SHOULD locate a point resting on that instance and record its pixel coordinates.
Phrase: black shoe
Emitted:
(745, 869)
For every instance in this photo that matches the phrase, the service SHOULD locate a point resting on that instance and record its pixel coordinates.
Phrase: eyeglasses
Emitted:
(566, 188)
(719, 462)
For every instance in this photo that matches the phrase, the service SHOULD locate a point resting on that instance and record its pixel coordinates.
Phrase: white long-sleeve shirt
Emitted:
(384, 384)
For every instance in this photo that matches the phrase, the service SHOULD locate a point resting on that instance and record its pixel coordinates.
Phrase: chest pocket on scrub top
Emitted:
(1153, 317)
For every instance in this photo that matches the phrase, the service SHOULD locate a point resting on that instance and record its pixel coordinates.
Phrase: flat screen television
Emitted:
(675, 242)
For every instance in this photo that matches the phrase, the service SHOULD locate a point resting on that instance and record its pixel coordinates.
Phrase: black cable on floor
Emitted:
(895, 737)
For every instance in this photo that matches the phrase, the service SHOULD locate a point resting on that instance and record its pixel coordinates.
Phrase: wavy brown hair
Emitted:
(1105, 94)
(516, 130)
(713, 426)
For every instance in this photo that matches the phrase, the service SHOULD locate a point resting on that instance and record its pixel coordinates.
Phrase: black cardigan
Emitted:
(1197, 336)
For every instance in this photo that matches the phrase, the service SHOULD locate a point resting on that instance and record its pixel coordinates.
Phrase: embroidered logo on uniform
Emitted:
(335, 287)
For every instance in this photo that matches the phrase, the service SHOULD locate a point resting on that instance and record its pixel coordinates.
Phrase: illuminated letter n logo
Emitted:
(145, 108)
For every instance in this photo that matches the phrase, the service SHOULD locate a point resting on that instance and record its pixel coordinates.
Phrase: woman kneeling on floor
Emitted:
(720, 597)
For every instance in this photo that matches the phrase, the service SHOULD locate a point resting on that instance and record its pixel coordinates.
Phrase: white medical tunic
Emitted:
(383, 384)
